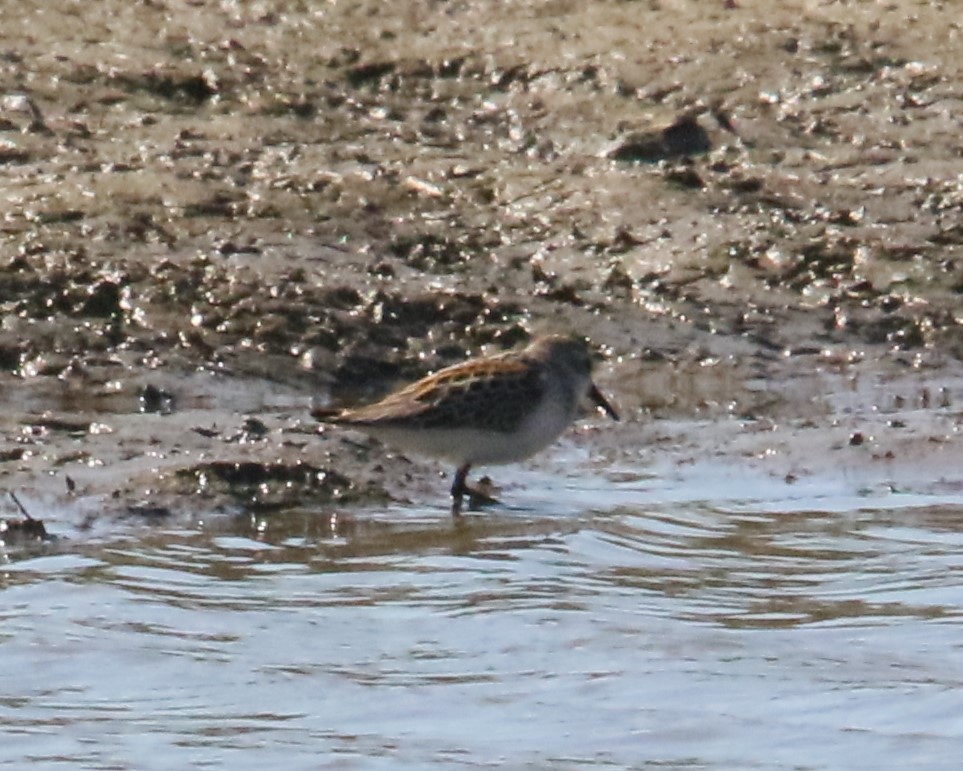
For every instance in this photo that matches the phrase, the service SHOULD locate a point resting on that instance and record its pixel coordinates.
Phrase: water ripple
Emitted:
(670, 633)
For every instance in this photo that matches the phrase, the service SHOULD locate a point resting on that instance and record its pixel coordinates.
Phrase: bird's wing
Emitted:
(493, 394)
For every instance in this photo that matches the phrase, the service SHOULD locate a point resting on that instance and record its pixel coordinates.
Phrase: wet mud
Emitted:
(219, 216)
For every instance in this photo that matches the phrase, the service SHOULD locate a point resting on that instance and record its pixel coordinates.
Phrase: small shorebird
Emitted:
(491, 410)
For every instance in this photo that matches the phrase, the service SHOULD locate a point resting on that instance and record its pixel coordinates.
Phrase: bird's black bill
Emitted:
(596, 396)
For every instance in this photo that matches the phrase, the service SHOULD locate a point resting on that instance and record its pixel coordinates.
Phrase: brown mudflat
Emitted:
(216, 214)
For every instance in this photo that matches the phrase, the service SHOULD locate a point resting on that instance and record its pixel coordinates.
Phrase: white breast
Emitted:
(465, 445)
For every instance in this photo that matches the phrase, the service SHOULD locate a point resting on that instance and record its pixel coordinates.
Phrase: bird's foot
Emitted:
(478, 497)
(481, 495)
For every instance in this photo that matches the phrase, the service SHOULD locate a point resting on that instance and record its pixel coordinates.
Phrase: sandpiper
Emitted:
(485, 411)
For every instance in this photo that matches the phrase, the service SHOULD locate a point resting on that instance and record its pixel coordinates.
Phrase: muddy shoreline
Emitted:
(218, 216)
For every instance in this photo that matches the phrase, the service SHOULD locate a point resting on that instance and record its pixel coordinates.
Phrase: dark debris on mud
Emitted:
(64, 313)
(265, 487)
(25, 531)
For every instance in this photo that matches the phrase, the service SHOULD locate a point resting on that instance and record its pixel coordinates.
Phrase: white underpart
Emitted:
(548, 420)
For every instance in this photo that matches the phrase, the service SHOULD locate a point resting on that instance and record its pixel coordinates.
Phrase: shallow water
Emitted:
(598, 623)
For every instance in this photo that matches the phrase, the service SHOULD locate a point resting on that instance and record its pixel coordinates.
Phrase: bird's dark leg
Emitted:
(459, 489)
